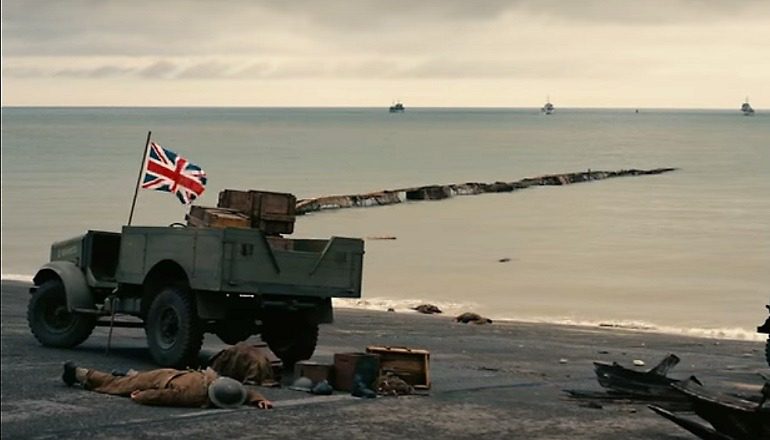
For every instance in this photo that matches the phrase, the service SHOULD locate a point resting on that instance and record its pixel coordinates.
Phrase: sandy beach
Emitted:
(504, 380)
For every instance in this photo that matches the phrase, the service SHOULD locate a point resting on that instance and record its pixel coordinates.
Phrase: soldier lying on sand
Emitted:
(168, 387)
(245, 363)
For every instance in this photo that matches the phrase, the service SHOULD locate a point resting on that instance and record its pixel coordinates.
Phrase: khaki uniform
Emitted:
(166, 387)
(245, 363)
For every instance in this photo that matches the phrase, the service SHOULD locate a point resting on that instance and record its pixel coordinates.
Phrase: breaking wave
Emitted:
(450, 309)
(16, 277)
(400, 305)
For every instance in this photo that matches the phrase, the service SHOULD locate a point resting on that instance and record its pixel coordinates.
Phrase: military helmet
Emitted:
(225, 392)
(302, 384)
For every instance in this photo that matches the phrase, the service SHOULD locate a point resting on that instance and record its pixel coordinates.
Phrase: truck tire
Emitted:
(291, 336)
(50, 321)
(173, 330)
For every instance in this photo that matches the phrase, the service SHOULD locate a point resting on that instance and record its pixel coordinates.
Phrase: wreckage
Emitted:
(439, 192)
(729, 417)
(652, 384)
(622, 383)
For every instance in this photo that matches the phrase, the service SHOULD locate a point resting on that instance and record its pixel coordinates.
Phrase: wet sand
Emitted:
(504, 380)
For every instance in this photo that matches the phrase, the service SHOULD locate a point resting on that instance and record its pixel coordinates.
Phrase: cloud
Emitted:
(159, 70)
(96, 73)
(206, 70)
(204, 28)
(150, 43)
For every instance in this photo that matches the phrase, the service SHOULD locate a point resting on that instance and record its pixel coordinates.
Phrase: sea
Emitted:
(686, 252)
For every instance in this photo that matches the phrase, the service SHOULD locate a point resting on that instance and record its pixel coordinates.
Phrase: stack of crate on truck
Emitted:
(228, 271)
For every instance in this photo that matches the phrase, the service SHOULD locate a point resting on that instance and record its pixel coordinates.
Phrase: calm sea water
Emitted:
(687, 251)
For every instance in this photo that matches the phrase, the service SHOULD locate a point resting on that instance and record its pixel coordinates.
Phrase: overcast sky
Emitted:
(452, 53)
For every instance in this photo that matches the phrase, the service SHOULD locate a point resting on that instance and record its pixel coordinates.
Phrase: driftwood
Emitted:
(439, 192)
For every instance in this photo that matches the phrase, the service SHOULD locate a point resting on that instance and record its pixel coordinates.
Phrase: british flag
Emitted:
(168, 171)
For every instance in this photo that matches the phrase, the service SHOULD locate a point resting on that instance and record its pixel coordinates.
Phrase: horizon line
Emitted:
(356, 107)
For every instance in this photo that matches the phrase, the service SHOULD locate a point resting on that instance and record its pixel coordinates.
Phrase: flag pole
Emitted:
(139, 177)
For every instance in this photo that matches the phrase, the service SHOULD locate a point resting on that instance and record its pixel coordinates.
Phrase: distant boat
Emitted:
(396, 108)
(746, 108)
(548, 107)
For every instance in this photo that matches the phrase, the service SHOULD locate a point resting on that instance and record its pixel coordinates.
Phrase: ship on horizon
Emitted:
(548, 108)
(746, 108)
(398, 107)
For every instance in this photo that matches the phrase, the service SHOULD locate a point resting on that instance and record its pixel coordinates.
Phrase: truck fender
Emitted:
(324, 313)
(79, 295)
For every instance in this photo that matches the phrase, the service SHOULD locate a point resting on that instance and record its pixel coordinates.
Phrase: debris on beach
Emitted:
(440, 192)
(410, 365)
(504, 260)
(592, 405)
(625, 384)
(428, 309)
(651, 384)
(383, 237)
(638, 363)
(390, 384)
(728, 417)
(475, 318)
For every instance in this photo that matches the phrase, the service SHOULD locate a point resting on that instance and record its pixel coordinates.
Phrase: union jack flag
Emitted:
(170, 172)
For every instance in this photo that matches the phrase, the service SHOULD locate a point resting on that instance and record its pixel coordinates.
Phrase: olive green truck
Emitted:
(183, 282)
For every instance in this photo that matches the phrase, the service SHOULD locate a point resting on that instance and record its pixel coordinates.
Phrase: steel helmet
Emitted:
(225, 392)
(302, 384)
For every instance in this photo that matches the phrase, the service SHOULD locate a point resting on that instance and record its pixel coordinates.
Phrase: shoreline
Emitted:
(403, 307)
(452, 309)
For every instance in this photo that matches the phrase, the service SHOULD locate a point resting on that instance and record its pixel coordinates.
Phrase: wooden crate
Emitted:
(314, 371)
(202, 216)
(280, 243)
(347, 365)
(270, 212)
(410, 364)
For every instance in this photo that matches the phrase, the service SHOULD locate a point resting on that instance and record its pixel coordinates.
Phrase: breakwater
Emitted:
(439, 192)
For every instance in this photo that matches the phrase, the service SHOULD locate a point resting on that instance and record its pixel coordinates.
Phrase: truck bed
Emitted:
(245, 261)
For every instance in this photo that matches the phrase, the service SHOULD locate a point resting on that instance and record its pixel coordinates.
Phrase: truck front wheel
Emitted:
(291, 336)
(51, 322)
(173, 331)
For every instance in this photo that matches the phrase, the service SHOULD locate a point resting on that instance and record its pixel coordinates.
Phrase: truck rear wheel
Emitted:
(51, 322)
(291, 336)
(173, 331)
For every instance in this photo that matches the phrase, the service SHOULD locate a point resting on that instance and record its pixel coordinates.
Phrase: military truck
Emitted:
(181, 282)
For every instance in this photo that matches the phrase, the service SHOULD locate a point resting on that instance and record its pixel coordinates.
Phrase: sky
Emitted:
(370, 53)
